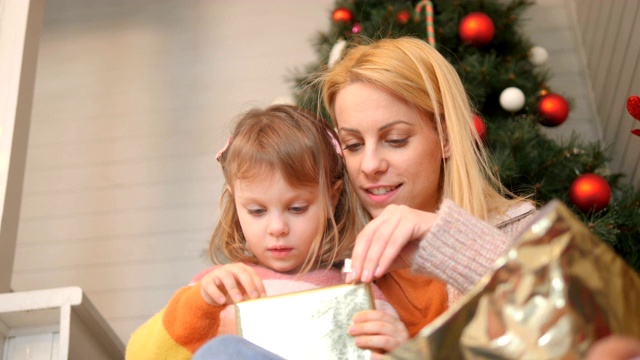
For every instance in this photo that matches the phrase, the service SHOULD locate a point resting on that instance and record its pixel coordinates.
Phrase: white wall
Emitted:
(133, 99)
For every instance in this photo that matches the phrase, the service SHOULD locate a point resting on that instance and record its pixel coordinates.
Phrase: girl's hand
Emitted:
(231, 283)
(378, 331)
(386, 242)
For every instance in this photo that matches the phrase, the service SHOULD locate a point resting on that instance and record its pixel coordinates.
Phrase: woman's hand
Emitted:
(231, 283)
(378, 331)
(386, 242)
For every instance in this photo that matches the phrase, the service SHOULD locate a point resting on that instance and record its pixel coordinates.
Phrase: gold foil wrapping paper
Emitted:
(307, 324)
(556, 291)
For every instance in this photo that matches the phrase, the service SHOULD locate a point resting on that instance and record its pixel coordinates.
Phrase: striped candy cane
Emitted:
(428, 6)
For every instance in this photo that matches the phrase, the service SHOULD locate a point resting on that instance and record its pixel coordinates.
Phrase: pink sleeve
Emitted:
(460, 248)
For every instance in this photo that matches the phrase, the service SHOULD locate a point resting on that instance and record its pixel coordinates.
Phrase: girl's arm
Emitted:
(178, 330)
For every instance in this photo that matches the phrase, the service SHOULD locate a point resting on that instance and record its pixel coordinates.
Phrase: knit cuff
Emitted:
(460, 248)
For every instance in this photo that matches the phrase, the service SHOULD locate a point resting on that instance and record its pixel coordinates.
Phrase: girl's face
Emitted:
(392, 155)
(279, 222)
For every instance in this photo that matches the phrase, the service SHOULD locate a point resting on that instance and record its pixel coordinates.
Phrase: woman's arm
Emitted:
(460, 249)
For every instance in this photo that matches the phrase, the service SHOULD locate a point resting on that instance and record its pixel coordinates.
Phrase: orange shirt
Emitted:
(418, 299)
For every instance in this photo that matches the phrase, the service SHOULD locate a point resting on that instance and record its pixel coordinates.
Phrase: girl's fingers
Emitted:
(236, 281)
(249, 280)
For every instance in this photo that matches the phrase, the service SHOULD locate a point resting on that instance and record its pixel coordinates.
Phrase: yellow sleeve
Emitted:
(178, 330)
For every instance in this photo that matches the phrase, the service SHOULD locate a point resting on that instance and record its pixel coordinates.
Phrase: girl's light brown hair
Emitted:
(297, 144)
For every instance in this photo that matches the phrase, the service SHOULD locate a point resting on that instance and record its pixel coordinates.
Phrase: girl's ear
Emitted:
(335, 193)
(229, 190)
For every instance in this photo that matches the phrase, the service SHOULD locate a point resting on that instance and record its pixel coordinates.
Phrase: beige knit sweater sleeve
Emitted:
(460, 248)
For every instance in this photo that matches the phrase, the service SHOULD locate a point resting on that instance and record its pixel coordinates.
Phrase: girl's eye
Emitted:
(299, 209)
(256, 212)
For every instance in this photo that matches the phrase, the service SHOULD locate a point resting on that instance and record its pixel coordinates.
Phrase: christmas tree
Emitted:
(506, 80)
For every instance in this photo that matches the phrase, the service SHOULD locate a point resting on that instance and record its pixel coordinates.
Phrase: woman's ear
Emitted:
(446, 150)
(229, 190)
(335, 193)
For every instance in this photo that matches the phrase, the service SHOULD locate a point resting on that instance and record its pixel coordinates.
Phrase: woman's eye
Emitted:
(352, 146)
(398, 142)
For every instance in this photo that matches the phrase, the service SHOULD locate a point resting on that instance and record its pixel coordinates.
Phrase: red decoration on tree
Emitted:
(481, 127)
(403, 17)
(476, 29)
(554, 110)
(342, 14)
(633, 107)
(590, 192)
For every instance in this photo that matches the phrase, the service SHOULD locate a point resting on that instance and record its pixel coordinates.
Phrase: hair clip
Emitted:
(224, 148)
(335, 143)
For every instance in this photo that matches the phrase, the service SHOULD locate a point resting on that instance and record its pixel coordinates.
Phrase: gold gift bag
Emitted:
(308, 324)
(556, 291)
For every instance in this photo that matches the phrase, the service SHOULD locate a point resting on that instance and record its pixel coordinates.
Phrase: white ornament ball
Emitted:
(538, 55)
(512, 99)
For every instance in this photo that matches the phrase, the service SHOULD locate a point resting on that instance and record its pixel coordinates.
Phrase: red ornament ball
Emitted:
(480, 126)
(342, 14)
(590, 192)
(403, 17)
(633, 106)
(554, 110)
(476, 29)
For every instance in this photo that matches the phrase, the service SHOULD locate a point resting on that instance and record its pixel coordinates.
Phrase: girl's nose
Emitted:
(278, 225)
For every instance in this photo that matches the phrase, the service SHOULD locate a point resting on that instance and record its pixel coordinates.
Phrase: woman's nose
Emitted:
(372, 162)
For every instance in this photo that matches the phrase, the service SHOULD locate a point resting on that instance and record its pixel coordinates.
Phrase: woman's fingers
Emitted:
(383, 248)
(384, 238)
(378, 331)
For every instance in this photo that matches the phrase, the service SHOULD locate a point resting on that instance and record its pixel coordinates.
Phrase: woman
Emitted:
(424, 182)
(428, 194)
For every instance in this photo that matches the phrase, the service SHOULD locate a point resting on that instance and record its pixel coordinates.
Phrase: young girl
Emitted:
(287, 216)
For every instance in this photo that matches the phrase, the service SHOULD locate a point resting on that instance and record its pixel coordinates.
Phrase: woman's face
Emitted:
(392, 155)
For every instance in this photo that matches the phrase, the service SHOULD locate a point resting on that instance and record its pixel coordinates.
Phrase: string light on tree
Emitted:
(589, 192)
(476, 29)
(538, 55)
(356, 28)
(512, 99)
(403, 17)
(553, 109)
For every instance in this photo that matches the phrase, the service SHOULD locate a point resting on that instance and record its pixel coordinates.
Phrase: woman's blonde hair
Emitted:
(416, 72)
(301, 146)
